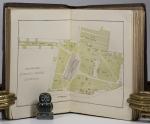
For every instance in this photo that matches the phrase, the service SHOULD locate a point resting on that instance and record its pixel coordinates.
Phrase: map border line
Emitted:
(69, 100)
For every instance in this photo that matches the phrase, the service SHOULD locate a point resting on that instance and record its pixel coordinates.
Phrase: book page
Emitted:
(97, 63)
(100, 73)
(35, 43)
(102, 80)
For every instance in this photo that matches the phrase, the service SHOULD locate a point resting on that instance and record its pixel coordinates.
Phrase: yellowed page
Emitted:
(34, 38)
(104, 78)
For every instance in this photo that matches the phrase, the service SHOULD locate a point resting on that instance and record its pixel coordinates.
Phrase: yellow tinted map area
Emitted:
(86, 66)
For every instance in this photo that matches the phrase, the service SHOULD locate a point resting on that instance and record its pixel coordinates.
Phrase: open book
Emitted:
(89, 58)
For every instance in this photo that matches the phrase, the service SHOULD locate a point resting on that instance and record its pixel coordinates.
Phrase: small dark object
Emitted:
(45, 107)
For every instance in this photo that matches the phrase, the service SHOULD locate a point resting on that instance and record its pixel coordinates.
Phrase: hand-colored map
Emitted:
(86, 66)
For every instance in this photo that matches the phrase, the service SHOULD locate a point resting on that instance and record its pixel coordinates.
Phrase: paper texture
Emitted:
(82, 57)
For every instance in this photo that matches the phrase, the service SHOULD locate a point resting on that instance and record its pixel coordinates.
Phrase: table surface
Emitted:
(72, 119)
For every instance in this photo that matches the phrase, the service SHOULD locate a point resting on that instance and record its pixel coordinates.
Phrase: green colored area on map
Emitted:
(109, 67)
(96, 68)
(92, 43)
(99, 68)
(62, 59)
(86, 85)
(69, 45)
(66, 49)
(95, 39)
(59, 83)
(37, 43)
